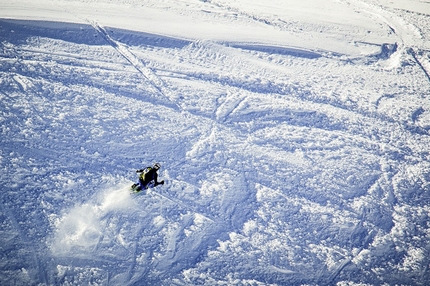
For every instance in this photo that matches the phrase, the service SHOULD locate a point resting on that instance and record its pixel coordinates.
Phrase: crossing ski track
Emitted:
(285, 164)
(148, 75)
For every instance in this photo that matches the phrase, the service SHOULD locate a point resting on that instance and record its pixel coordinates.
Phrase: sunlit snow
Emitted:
(293, 138)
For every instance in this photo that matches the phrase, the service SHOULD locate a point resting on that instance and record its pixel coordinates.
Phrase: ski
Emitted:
(135, 189)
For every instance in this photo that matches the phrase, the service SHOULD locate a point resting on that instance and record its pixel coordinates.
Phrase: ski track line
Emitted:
(298, 93)
(225, 109)
(230, 104)
(183, 205)
(130, 57)
(247, 15)
(412, 52)
(78, 57)
(408, 33)
(155, 81)
(337, 271)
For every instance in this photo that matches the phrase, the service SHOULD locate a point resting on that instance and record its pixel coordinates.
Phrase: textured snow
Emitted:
(293, 138)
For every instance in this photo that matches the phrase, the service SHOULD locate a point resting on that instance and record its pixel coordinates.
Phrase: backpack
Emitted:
(144, 172)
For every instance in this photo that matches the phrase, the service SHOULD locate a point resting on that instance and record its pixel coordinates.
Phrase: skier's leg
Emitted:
(142, 184)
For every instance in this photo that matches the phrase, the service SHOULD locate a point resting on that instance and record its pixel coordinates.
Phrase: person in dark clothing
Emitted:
(148, 178)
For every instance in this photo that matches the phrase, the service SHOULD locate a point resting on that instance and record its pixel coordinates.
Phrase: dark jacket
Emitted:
(147, 175)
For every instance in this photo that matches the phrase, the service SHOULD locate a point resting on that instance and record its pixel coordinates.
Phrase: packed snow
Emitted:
(293, 138)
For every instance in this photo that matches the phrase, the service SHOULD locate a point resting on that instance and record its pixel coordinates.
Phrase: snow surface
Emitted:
(293, 137)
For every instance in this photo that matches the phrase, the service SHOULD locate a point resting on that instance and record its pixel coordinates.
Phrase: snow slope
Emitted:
(293, 137)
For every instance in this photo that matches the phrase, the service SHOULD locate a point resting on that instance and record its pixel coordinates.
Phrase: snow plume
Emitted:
(81, 228)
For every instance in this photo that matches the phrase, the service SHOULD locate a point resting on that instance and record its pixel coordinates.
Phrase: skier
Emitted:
(148, 178)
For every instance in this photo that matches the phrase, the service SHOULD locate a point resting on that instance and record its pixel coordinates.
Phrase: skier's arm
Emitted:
(156, 183)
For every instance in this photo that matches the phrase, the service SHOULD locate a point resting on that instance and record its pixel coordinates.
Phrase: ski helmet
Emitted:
(157, 166)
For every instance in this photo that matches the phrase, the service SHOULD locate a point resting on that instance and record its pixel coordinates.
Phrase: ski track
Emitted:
(283, 166)
(148, 75)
